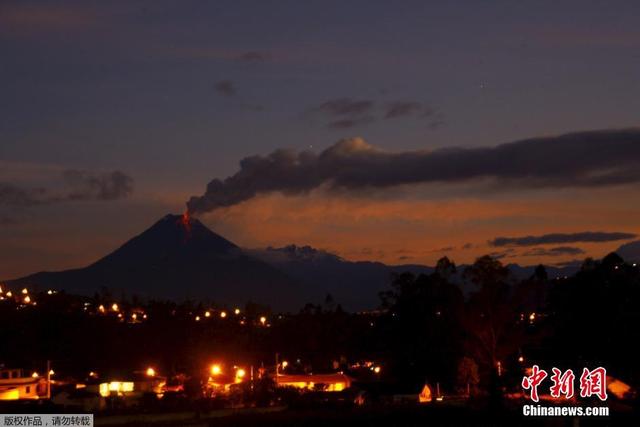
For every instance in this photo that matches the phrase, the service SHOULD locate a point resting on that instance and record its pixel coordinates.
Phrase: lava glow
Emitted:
(185, 220)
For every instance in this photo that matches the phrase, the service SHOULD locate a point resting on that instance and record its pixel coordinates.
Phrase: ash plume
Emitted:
(580, 159)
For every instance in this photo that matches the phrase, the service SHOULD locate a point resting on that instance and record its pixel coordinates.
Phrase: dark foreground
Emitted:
(388, 417)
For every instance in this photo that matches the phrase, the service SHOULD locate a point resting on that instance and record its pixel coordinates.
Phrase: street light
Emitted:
(215, 369)
(151, 372)
(263, 320)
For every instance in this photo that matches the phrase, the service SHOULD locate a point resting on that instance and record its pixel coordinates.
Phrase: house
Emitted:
(318, 382)
(14, 385)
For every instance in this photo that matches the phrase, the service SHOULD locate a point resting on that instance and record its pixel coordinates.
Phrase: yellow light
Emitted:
(101, 308)
(263, 320)
(93, 374)
(197, 318)
(376, 369)
(207, 314)
(27, 299)
(35, 375)
(240, 373)
(215, 369)
(520, 359)
(134, 316)
(9, 293)
(144, 316)
(151, 372)
(51, 372)
(532, 317)
(115, 307)
(223, 314)
(236, 311)
(284, 364)
(50, 292)
(25, 291)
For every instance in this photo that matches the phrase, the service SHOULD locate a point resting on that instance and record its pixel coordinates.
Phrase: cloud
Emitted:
(554, 238)
(407, 108)
(226, 88)
(253, 56)
(345, 107)
(77, 186)
(581, 159)
(557, 251)
(344, 113)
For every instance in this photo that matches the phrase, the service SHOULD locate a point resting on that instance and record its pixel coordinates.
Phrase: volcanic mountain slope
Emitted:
(178, 258)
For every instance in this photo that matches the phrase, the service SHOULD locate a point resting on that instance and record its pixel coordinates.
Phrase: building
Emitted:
(14, 385)
(320, 382)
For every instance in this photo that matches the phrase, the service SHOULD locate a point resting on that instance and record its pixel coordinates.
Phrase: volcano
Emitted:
(178, 258)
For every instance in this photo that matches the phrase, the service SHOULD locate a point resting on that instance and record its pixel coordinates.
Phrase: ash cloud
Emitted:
(581, 159)
(77, 186)
(555, 238)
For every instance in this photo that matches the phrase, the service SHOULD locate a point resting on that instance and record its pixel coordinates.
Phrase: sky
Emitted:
(390, 131)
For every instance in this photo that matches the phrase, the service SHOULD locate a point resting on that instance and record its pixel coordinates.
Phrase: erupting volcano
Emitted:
(178, 258)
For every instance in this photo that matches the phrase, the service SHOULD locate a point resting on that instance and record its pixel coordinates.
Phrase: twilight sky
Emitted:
(372, 129)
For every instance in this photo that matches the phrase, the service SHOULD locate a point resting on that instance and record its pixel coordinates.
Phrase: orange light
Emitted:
(263, 320)
(521, 359)
(25, 291)
(207, 314)
(151, 372)
(223, 314)
(115, 307)
(101, 308)
(215, 369)
(27, 299)
(240, 373)
(236, 311)
(197, 318)
(376, 369)
(35, 375)
(284, 364)
(9, 294)
(51, 372)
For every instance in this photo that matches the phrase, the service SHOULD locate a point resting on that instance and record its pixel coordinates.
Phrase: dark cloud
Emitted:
(345, 107)
(582, 159)
(344, 113)
(557, 251)
(407, 108)
(78, 186)
(554, 238)
(254, 56)
(349, 123)
(226, 88)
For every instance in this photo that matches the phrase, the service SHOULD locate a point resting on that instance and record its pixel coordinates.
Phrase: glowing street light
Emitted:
(27, 299)
(284, 364)
(215, 369)
(115, 307)
(51, 372)
(263, 320)
(376, 369)
(236, 311)
(197, 318)
(521, 359)
(9, 294)
(240, 374)
(35, 375)
(223, 314)
(101, 308)
(151, 372)
(207, 314)
(25, 291)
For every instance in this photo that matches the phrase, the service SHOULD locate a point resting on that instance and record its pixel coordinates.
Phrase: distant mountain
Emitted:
(630, 252)
(353, 284)
(178, 258)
